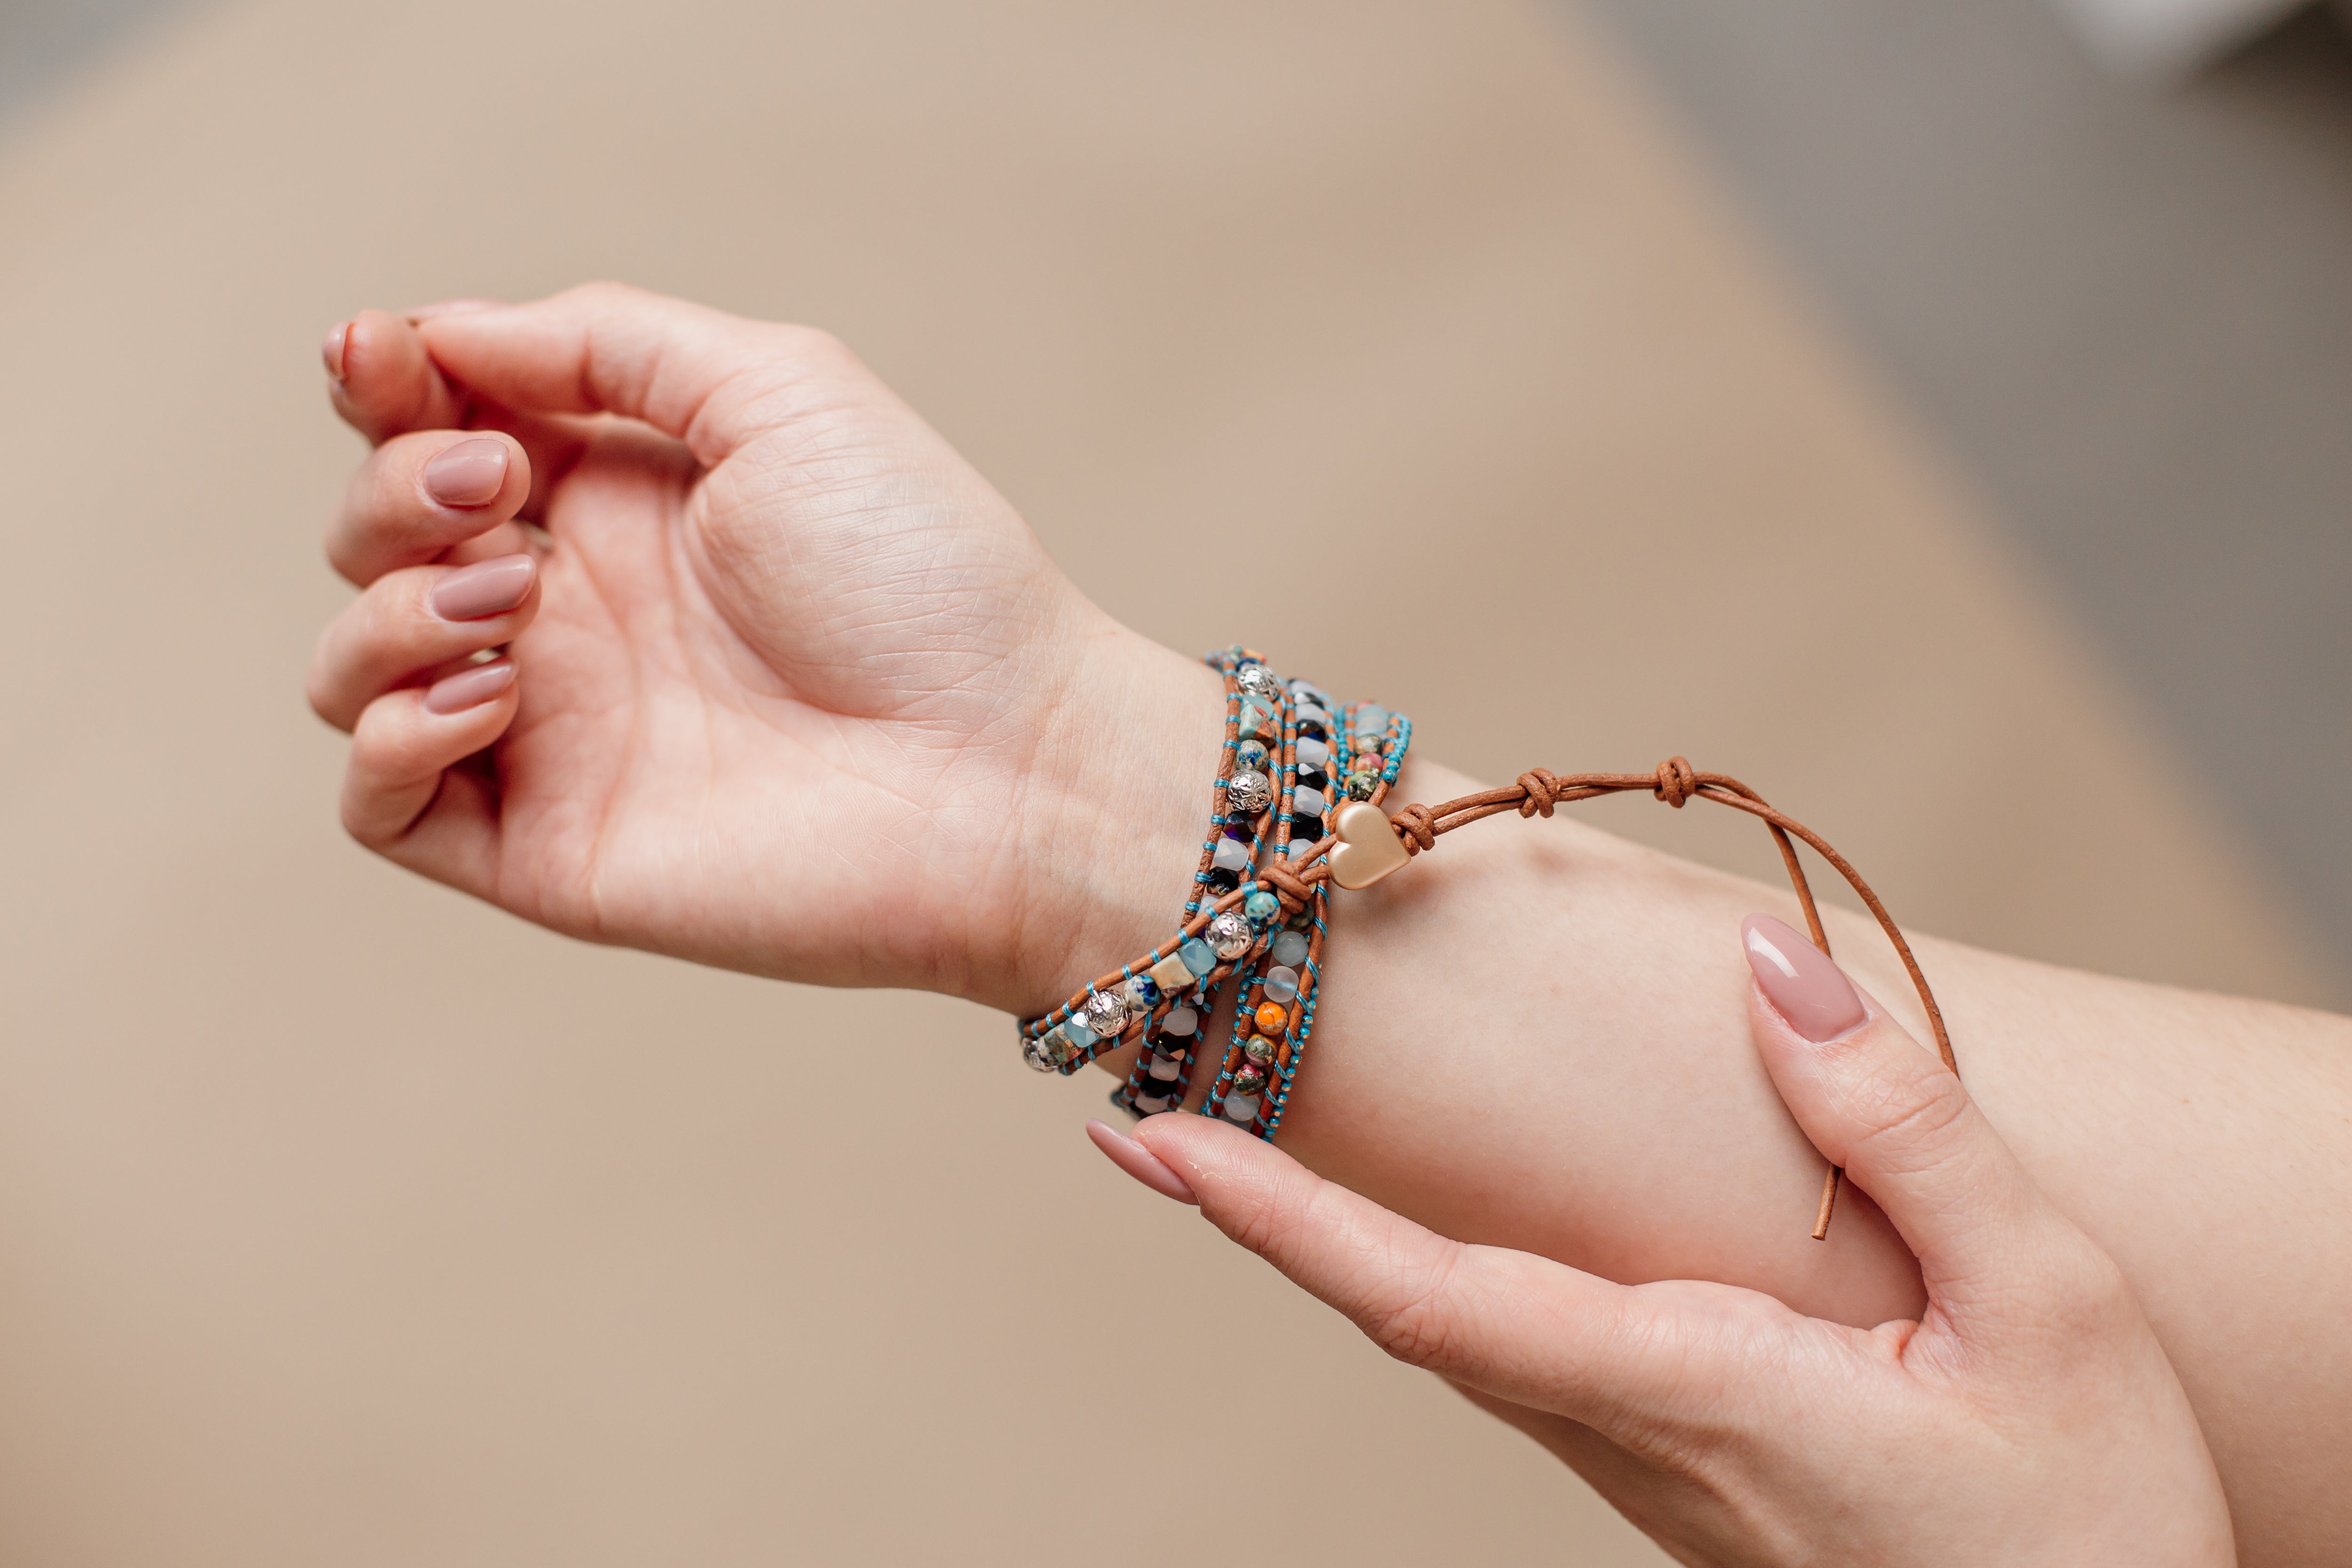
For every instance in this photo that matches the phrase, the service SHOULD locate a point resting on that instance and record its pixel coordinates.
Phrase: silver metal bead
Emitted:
(1259, 681)
(1228, 934)
(1105, 1014)
(1248, 793)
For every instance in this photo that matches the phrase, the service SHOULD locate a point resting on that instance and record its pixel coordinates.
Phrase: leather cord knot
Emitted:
(1417, 826)
(1543, 790)
(1286, 885)
(1676, 782)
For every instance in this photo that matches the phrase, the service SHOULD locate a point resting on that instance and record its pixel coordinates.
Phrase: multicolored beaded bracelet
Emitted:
(1162, 1000)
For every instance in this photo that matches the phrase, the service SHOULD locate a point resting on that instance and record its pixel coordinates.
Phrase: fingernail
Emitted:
(1798, 979)
(485, 588)
(453, 308)
(468, 474)
(1139, 1162)
(470, 688)
(332, 350)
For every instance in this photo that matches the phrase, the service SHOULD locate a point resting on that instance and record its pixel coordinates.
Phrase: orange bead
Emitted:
(1272, 1018)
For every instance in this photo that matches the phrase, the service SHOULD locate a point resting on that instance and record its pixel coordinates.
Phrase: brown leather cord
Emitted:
(1674, 782)
(1536, 794)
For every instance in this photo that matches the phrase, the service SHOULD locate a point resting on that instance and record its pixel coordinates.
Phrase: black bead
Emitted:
(1224, 881)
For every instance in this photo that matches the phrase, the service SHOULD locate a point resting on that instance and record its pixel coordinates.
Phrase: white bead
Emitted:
(1152, 1104)
(1281, 983)
(1289, 948)
(1231, 855)
(1179, 1022)
(1164, 1071)
(1312, 752)
(1243, 1110)
(1307, 803)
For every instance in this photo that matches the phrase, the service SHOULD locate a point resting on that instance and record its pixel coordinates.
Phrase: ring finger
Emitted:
(413, 622)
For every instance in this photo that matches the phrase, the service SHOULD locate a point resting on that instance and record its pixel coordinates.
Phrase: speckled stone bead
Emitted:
(1198, 955)
(1261, 906)
(1172, 974)
(1251, 756)
(1105, 1014)
(1142, 994)
(1258, 722)
(1281, 981)
(1259, 1049)
(1248, 1082)
(1361, 785)
(1248, 792)
(1271, 1018)
(1289, 950)
(1229, 934)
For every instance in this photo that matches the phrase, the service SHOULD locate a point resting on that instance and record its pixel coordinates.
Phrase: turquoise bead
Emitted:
(1198, 956)
(1075, 1027)
(1261, 906)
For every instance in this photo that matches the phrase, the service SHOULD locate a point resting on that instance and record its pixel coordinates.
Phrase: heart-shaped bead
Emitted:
(1369, 848)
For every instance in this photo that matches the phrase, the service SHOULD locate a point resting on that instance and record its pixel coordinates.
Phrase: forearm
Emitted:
(1537, 1036)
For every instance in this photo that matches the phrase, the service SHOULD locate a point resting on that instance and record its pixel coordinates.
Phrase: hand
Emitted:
(786, 685)
(2028, 1416)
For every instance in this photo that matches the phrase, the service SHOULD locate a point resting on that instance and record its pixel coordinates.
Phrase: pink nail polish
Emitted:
(470, 473)
(485, 588)
(332, 350)
(1139, 1162)
(1798, 979)
(469, 687)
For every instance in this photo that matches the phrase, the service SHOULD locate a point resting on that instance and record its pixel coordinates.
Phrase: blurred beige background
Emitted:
(344, 1220)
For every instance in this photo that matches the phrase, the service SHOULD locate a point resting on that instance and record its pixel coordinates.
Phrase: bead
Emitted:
(1307, 803)
(1261, 906)
(1252, 756)
(1242, 1111)
(1105, 1014)
(1256, 680)
(1271, 1018)
(1290, 951)
(1281, 981)
(1259, 1049)
(1198, 955)
(1142, 994)
(1248, 792)
(1034, 1053)
(1313, 754)
(1304, 832)
(1361, 785)
(1074, 1026)
(1369, 848)
(1306, 691)
(1164, 1071)
(1229, 933)
(1258, 721)
(1303, 919)
(1309, 713)
(1057, 1047)
(1248, 1082)
(1150, 1104)
(1230, 855)
(1369, 748)
(1171, 975)
(1182, 1023)
(1221, 880)
(1370, 720)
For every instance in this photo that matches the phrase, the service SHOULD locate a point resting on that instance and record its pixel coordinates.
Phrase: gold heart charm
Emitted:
(1369, 848)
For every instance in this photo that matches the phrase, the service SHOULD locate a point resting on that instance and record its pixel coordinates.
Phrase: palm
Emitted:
(776, 649)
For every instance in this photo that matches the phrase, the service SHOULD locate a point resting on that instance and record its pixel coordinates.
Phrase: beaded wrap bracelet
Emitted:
(1366, 844)
(1258, 812)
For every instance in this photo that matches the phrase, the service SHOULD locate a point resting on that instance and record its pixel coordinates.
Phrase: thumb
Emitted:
(1519, 1327)
(1876, 1103)
(711, 380)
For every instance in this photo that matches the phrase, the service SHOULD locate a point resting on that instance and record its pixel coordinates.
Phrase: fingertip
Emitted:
(1140, 1163)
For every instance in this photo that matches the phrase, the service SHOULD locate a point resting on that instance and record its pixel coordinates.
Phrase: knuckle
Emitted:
(1906, 1114)
(1412, 1317)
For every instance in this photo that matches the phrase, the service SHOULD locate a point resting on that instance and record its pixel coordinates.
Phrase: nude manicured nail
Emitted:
(1798, 979)
(453, 308)
(470, 473)
(470, 688)
(332, 350)
(1139, 1162)
(485, 588)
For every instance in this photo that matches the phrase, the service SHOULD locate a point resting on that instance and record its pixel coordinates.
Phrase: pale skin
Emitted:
(794, 691)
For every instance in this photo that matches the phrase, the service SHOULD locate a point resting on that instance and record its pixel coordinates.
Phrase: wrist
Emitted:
(1107, 836)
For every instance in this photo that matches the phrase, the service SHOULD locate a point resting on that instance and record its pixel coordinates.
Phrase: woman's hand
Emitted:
(2029, 1416)
(785, 687)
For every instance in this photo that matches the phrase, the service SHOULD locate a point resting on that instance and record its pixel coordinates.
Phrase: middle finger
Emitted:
(420, 495)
